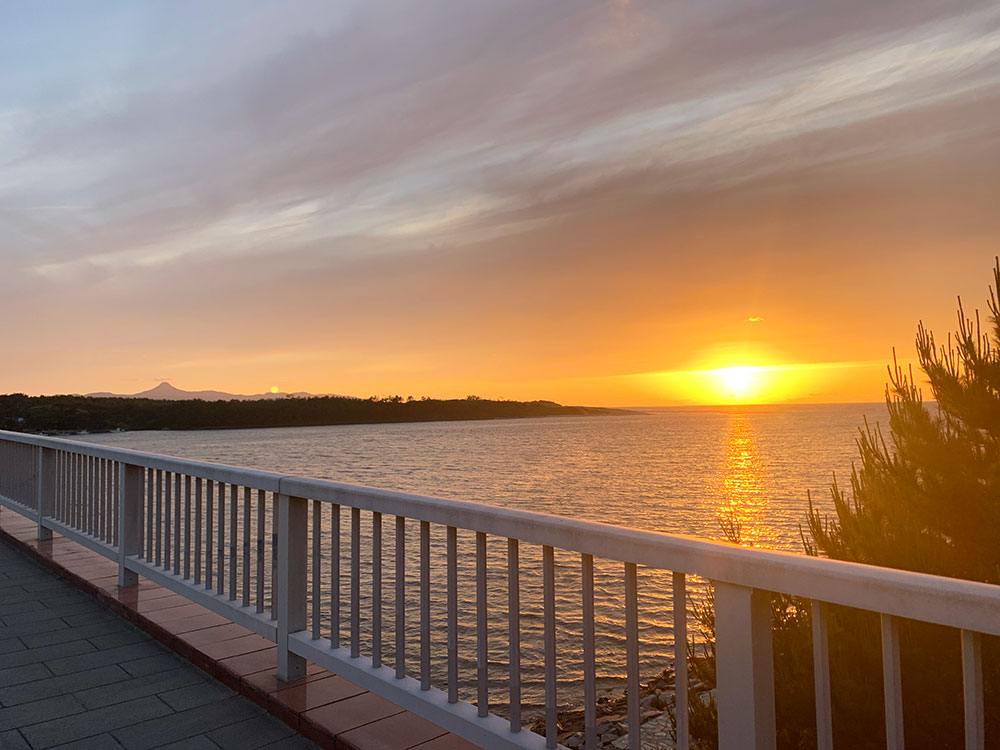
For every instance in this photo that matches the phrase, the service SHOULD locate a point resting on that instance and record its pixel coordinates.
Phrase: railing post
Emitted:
(290, 586)
(129, 520)
(45, 491)
(744, 668)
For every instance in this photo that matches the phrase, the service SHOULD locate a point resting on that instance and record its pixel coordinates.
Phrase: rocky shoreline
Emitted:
(656, 698)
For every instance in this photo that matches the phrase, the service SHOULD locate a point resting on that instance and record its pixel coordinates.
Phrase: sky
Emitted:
(610, 203)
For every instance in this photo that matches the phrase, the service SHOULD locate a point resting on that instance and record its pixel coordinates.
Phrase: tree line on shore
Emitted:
(68, 414)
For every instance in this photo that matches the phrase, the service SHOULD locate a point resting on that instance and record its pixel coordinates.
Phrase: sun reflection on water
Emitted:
(743, 511)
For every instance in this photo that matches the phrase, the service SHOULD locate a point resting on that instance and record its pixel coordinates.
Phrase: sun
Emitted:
(739, 381)
(274, 389)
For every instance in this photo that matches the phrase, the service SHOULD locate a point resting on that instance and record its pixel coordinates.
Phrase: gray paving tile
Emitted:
(96, 658)
(91, 723)
(55, 652)
(191, 743)
(10, 645)
(18, 717)
(28, 618)
(27, 673)
(13, 740)
(196, 695)
(150, 664)
(98, 615)
(251, 733)
(98, 742)
(122, 637)
(42, 627)
(20, 607)
(184, 724)
(127, 689)
(69, 683)
(65, 635)
(294, 742)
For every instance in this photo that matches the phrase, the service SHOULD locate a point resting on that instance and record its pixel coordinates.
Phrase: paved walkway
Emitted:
(75, 675)
(89, 612)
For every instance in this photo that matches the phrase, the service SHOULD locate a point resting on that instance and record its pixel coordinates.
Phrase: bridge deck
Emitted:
(75, 671)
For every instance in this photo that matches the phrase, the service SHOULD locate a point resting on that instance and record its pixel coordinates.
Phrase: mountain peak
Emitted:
(165, 388)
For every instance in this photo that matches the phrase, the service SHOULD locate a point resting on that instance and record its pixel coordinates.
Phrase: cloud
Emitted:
(755, 319)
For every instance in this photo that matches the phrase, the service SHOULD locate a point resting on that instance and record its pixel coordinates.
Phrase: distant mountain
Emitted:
(166, 392)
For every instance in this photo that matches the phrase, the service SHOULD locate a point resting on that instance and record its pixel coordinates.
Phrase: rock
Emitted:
(574, 741)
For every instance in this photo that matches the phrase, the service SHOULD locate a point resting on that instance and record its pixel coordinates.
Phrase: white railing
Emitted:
(172, 521)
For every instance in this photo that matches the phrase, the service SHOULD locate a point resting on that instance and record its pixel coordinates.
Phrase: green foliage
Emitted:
(929, 500)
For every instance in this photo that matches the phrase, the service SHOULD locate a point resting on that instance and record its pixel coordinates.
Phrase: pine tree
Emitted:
(929, 498)
(925, 499)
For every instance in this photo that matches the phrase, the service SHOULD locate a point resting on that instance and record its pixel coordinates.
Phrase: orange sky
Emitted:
(585, 202)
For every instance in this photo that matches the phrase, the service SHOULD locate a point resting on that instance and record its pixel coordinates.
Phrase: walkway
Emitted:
(74, 673)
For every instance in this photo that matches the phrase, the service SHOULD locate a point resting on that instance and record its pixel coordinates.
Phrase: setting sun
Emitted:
(274, 389)
(738, 381)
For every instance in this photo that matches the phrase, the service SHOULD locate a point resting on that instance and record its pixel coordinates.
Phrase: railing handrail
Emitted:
(967, 605)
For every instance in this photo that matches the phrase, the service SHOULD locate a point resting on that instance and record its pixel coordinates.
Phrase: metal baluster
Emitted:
(261, 531)
(95, 492)
(482, 630)
(98, 484)
(335, 577)
(514, 631)
(158, 519)
(376, 589)
(71, 510)
(88, 494)
(400, 597)
(84, 510)
(452, 566)
(167, 513)
(76, 490)
(317, 577)
(246, 546)
(632, 657)
(106, 499)
(549, 617)
(274, 554)
(892, 683)
(81, 510)
(149, 550)
(177, 524)
(589, 666)
(972, 679)
(57, 505)
(234, 517)
(681, 662)
(209, 531)
(117, 503)
(187, 527)
(220, 550)
(425, 605)
(197, 530)
(821, 676)
(355, 582)
(92, 486)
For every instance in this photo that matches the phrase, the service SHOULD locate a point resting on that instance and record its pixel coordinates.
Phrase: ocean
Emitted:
(675, 470)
